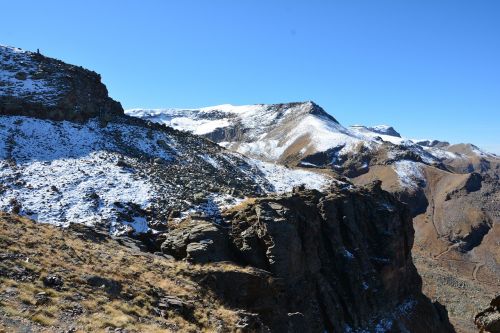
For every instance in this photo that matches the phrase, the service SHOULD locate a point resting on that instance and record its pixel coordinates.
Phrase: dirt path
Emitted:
(448, 249)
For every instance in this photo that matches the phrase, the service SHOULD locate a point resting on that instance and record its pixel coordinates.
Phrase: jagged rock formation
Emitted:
(34, 85)
(339, 262)
(489, 319)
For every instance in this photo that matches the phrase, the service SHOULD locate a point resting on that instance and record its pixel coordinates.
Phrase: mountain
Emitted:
(276, 133)
(166, 230)
(87, 163)
(35, 85)
(452, 190)
(301, 134)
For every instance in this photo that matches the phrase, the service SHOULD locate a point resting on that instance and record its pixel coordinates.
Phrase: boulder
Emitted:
(197, 241)
(489, 319)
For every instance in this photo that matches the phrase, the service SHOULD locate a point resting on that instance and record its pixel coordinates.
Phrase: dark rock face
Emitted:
(334, 262)
(197, 241)
(37, 86)
(489, 319)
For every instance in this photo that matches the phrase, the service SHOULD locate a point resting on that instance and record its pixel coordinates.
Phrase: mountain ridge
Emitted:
(452, 191)
(241, 183)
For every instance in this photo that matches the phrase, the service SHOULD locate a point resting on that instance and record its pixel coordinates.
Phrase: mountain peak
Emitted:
(32, 84)
(378, 129)
(385, 129)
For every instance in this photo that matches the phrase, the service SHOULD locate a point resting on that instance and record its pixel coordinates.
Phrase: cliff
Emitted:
(38, 86)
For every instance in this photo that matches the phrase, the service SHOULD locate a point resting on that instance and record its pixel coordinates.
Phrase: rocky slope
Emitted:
(489, 319)
(342, 259)
(99, 166)
(453, 191)
(34, 85)
(126, 173)
(79, 279)
(338, 261)
(68, 155)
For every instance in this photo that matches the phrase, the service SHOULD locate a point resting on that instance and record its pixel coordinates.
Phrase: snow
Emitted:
(409, 173)
(73, 179)
(259, 123)
(58, 166)
(213, 206)
(284, 179)
(16, 61)
(271, 133)
(348, 254)
(441, 153)
(324, 134)
(210, 160)
(307, 164)
(64, 172)
(377, 133)
(229, 108)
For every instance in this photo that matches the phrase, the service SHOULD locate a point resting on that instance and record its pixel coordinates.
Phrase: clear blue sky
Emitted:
(431, 68)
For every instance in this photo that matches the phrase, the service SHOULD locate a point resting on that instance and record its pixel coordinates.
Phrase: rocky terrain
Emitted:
(304, 261)
(34, 85)
(489, 319)
(452, 189)
(124, 173)
(265, 217)
(127, 174)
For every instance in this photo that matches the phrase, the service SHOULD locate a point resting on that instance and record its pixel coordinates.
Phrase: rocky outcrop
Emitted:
(198, 241)
(334, 262)
(489, 319)
(38, 86)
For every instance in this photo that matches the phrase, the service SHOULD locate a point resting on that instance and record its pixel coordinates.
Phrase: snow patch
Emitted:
(284, 179)
(410, 173)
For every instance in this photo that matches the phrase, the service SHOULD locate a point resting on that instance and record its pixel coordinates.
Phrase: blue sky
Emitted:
(429, 68)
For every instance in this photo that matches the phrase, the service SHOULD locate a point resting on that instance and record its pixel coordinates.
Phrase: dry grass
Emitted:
(32, 251)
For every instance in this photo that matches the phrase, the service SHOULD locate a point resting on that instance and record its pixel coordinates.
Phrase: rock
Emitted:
(69, 92)
(198, 241)
(489, 319)
(175, 304)
(42, 298)
(335, 260)
(165, 303)
(110, 286)
(21, 76)
(53, 281)
(199, 198)
(250, 322)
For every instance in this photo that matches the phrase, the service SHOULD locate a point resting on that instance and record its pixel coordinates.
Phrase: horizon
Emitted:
(423, 68)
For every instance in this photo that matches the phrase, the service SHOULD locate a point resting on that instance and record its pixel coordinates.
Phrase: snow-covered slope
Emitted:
(294, 134)
(274, 133)
(20, 77)
(102, 167)
(304, 134)
(125, 175)
(34, 85)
